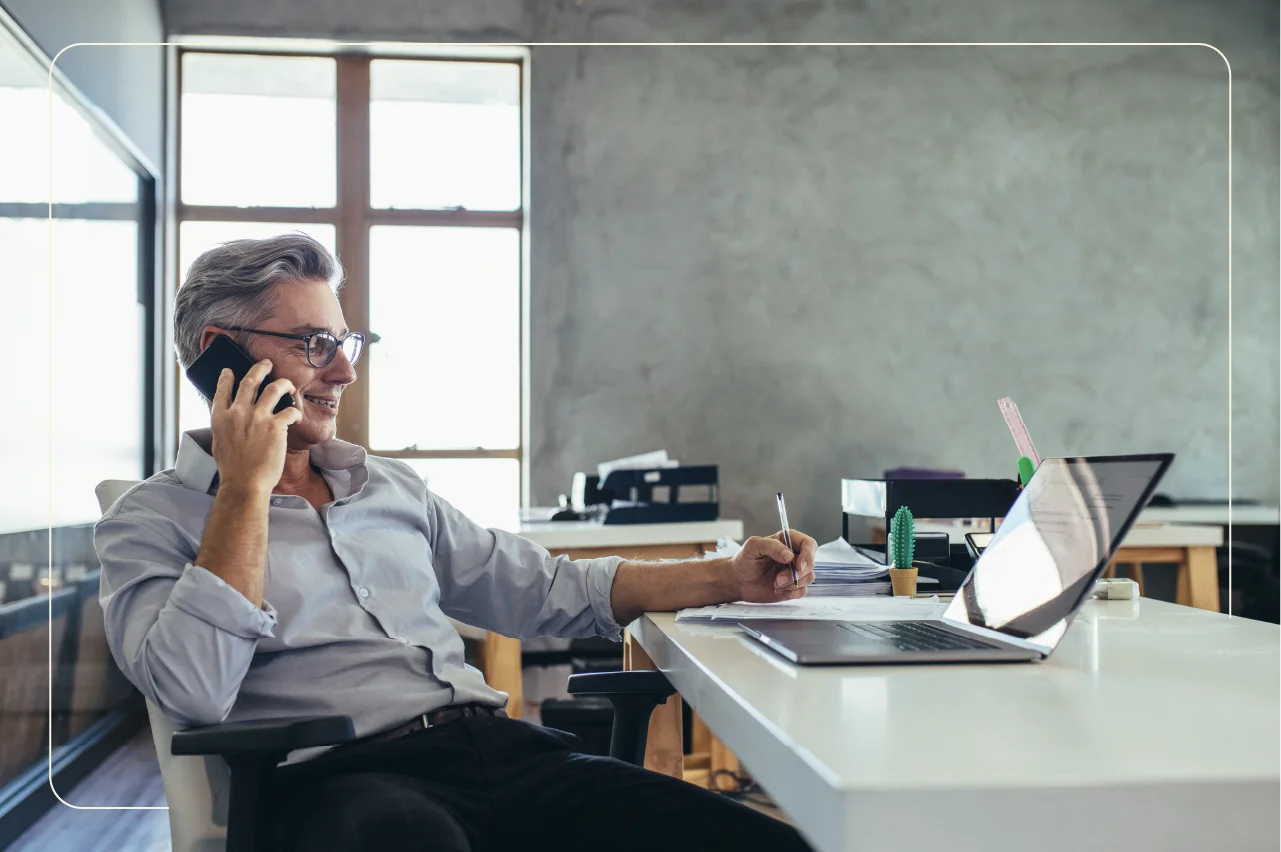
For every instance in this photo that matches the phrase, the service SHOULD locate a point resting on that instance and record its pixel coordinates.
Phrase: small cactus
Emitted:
(902, 538)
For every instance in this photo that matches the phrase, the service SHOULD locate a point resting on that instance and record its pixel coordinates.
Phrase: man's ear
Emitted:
(207, 336)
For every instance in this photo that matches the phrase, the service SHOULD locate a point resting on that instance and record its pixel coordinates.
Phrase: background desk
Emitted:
(1189, 547)
(1153, 726)
(1247, 515)
(500, 655)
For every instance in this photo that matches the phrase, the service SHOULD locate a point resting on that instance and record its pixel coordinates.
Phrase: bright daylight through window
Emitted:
(411, 170)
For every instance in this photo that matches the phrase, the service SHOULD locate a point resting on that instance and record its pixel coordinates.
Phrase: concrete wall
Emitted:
(126, 83)
(804, 263)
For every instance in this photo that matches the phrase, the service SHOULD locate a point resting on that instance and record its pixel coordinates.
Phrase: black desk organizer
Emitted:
(639, 486)
(928, 498)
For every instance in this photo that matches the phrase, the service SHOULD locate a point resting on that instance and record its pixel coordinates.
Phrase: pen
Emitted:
(787, 536)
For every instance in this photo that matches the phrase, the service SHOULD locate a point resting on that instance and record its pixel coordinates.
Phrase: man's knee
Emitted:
(358, 813)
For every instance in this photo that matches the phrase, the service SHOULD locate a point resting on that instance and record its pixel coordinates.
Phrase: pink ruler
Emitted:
(1022, 439)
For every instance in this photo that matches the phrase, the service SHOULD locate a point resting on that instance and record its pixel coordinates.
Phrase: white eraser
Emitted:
(1119, 589)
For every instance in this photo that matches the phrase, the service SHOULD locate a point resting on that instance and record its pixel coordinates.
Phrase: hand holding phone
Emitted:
(223, 354)
(251, 416)
(250, 439)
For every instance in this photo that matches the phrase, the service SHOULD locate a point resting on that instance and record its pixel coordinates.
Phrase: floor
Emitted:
(130, 777)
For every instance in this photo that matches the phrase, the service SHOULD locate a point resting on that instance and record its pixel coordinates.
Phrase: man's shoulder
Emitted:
(160, 497)
(397, 471)
(396, 482)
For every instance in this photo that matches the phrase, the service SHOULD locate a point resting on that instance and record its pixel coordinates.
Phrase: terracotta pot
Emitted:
(903, 580)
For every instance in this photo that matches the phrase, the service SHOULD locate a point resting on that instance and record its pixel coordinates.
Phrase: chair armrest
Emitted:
(252, 750)
(273, 735)
(634, 695)
(641, 682)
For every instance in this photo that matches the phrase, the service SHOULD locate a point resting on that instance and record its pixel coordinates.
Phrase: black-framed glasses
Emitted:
(321, 345)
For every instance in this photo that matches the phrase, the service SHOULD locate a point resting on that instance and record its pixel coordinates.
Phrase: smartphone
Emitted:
(224, 354)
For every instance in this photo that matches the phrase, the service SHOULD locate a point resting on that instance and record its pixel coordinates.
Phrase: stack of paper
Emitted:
(841, 569)
(644, 461)
(831, 609)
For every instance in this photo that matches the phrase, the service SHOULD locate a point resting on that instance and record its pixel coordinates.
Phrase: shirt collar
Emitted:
(196, 469)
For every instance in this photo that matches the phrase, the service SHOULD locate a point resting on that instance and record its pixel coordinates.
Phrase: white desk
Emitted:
(581, 535)
(1152, 727)
(1144, 533)
(1190, 548)
(1241, 515)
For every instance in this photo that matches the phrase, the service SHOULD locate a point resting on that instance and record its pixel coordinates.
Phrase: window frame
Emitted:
(352, 216)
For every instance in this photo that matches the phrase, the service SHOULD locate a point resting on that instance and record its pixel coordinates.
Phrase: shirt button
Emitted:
(364, 593)
(275, 501)
(402, 640)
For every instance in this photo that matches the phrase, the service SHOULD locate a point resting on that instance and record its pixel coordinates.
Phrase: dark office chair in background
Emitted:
(1254, 590)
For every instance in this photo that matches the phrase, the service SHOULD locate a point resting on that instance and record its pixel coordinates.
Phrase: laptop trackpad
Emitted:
(803, 636)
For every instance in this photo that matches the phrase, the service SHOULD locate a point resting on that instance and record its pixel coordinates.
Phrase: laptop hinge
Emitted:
(988, 633)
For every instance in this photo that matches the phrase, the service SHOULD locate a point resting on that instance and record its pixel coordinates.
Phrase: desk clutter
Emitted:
(646, 489)
(944, 510)
(840, 569)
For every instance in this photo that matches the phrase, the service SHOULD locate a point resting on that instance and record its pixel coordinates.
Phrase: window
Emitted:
(412, 170)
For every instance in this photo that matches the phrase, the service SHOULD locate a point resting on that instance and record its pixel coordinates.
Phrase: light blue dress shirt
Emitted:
(357, 597)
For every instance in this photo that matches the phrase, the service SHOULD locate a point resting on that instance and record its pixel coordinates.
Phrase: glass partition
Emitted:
(77, 222)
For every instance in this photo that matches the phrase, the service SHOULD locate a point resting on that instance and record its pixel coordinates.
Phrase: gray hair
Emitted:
(234, 284)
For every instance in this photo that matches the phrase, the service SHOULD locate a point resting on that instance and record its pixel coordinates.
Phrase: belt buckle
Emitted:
(426, 722)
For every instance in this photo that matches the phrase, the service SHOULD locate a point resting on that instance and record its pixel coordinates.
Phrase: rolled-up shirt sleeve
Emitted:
(501, 582)
(180, 634)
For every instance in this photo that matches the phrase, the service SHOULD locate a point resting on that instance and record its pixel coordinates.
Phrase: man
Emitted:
(277, 571)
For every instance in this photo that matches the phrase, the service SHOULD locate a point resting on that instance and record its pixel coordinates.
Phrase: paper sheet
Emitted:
(823, 608)
(644, 461)
(841, 552)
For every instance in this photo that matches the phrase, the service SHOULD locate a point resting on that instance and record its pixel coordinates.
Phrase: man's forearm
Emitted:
(234, 546)
(666, 586)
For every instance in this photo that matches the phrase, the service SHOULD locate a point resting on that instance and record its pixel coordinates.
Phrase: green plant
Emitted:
(902, 538)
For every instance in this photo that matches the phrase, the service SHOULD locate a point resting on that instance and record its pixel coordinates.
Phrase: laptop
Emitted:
(1025, 588)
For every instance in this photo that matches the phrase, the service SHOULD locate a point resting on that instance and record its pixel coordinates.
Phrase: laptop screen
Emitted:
(1053, 544)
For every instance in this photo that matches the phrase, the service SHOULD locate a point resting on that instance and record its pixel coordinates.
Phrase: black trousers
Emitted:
(491, 783)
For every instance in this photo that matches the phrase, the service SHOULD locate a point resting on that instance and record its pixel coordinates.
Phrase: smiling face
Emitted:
(301, 308)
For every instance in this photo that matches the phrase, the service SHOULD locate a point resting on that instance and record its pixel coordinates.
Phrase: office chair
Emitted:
(215, 776)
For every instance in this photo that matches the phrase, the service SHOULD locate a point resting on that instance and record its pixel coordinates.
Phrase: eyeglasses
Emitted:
(321, 345)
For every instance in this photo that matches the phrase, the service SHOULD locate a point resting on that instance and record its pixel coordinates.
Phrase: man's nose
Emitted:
(340, 371)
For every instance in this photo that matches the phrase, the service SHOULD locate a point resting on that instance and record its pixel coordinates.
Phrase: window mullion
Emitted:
(353, 231)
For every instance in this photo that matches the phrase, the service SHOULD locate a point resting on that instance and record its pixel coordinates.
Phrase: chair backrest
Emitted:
(196, 788)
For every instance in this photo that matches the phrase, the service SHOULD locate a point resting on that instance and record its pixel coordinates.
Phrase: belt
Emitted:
(429, 720)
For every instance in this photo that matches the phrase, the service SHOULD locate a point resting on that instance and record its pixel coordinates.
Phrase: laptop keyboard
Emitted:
(915, 636)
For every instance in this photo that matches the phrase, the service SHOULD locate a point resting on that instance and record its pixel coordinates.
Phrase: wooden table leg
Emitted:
(722, 758)
(1137, 557)
(501, 667)
(699, 759)
(664, 749)
(1201, 570)
(1136, 574)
